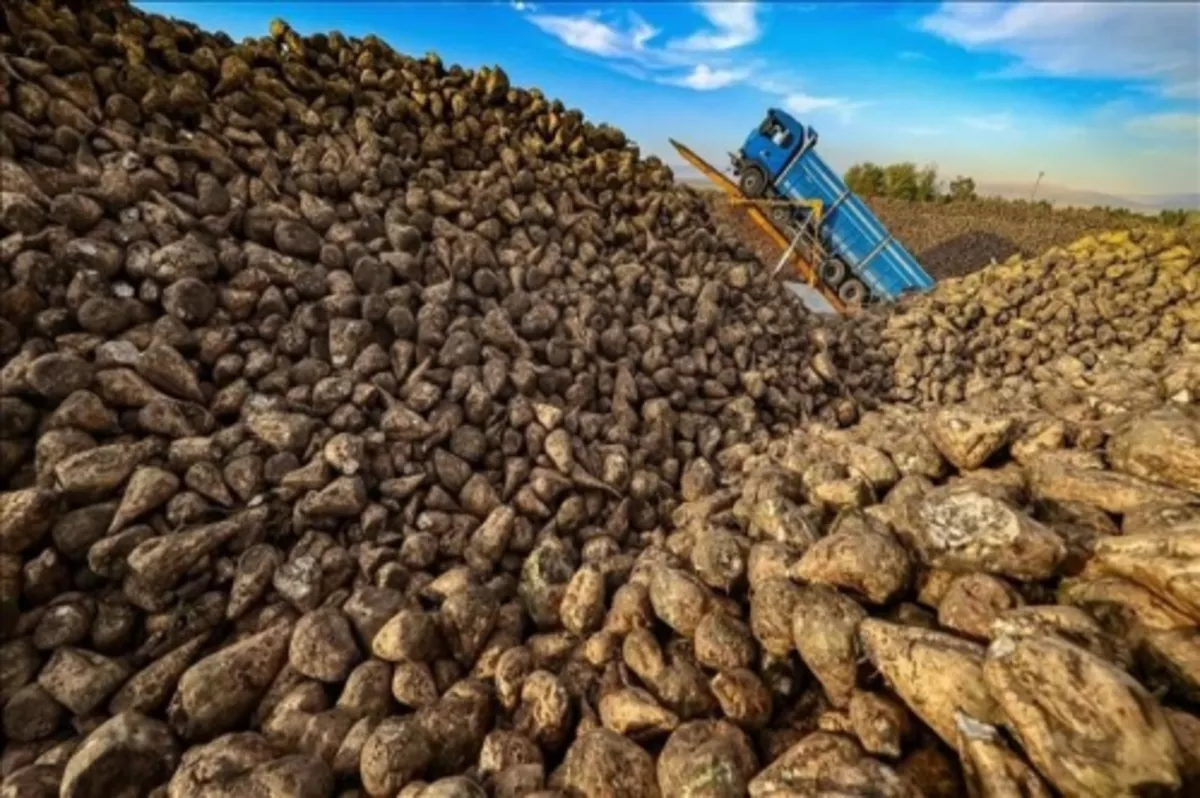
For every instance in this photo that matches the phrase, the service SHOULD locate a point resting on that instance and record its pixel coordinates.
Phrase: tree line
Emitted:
(907, 181)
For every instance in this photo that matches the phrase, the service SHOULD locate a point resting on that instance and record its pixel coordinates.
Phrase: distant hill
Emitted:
(1082, 198)
(1189, 201)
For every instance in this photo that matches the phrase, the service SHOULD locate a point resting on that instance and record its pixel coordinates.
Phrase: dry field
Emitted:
(957, 238)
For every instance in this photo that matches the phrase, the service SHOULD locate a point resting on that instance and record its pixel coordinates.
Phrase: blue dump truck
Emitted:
(829, 227)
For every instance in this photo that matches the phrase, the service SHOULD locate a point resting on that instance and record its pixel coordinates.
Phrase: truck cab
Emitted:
(768, 150)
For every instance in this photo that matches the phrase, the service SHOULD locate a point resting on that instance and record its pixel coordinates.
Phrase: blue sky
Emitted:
(1101, 96)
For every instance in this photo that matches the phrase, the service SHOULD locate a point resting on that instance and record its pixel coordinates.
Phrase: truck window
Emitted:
(776, 132)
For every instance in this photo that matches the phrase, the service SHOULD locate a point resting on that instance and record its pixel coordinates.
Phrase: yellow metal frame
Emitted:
(816, 206)
(806, 271)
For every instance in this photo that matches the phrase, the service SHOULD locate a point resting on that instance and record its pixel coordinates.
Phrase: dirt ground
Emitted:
(953, 239)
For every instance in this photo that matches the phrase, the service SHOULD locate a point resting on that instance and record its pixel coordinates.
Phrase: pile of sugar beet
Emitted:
(373, 428)
(1018, 327)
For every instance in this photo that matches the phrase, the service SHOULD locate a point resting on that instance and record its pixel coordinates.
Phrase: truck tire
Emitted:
(853, 292)
(833, 272)
(753, 181)
(781, 215)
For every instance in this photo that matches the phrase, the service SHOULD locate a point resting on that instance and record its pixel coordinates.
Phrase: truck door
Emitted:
(773, 147)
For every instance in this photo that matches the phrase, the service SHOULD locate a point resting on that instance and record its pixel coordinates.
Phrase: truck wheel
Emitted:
(753, 182)
(781, 215)
(833, 271)
(852, 292)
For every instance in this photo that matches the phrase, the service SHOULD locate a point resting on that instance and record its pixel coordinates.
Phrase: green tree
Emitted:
(900, 181)
(854, 179)
(1174, 218)
(927, 183)
(865, 179)
(962, 188)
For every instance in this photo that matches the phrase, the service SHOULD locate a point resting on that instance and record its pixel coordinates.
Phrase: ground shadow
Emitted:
(966, 253)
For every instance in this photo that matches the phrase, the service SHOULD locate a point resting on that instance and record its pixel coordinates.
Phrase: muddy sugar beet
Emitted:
(371, 427)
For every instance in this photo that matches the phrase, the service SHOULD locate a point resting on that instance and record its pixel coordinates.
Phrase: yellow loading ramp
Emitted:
(806, 271)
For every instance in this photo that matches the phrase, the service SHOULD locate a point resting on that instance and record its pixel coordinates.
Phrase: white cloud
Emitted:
(1168, 122)
(807, 103)
(788, 92)
(912, 55)
(992, 123)
(1183, 89)
(734, 25)
(801, 103)
(521, 5)
(1147, 41)
(921, 131)
(642, 33)
(626, 44)
(704, 78)
(776, 84)
(591, 35)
